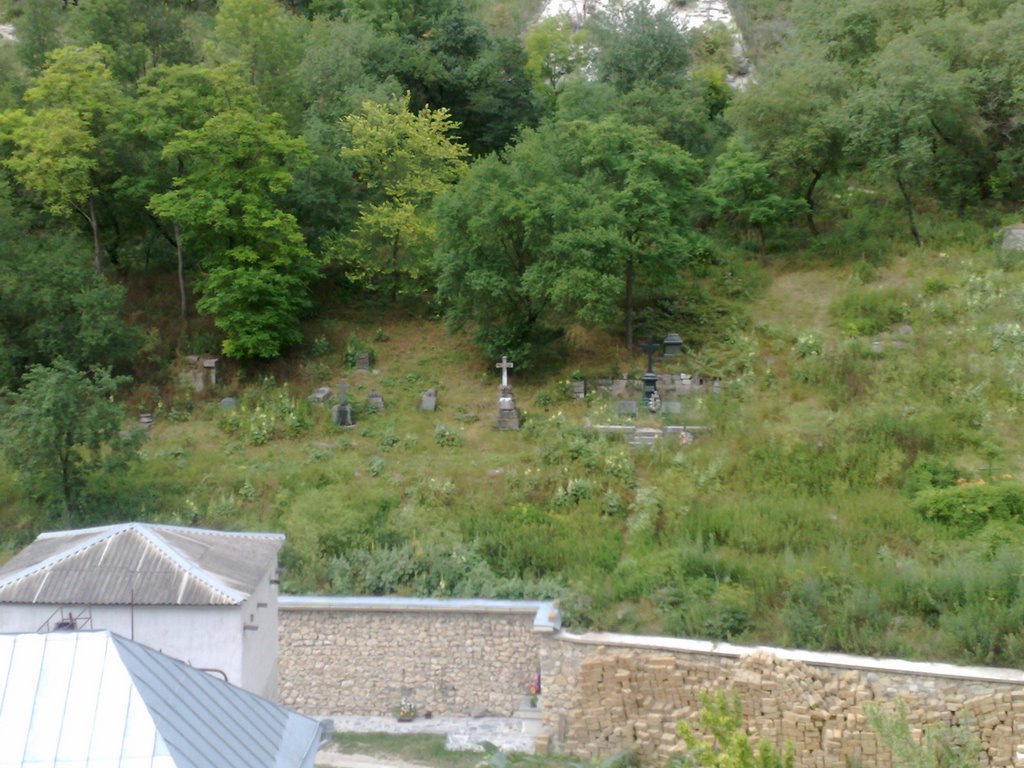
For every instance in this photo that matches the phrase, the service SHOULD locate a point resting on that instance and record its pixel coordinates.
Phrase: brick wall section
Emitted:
(363, 662)
(599, 700)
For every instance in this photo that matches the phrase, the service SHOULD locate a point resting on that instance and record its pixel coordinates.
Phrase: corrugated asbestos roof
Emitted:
(97, 699)
(140, 564)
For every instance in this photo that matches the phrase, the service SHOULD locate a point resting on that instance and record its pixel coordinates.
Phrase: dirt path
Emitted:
(331, 759)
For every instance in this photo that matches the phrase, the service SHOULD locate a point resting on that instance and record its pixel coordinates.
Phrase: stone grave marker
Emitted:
(228, 404)
(579, 389)
(1013, 238)
(375, 402)
(321, 395)
(362, 361)
(341, 415)
(508, 413)
(626, 408)
(685, 384)
(428, 401)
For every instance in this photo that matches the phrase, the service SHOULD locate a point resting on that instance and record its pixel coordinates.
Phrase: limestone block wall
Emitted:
(362, 656)
(608, 693)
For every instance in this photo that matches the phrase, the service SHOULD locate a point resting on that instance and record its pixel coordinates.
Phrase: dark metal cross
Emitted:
(650, 348)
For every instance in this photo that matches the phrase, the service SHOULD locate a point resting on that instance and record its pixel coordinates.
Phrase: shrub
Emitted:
(265, 414)
(445, 437)
(967, 507)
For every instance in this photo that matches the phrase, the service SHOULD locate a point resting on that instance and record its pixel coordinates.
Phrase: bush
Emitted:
(265, 414)
(967, 507)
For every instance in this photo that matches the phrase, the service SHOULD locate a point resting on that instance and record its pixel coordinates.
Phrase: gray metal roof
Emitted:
(94, 698)
(140, 564)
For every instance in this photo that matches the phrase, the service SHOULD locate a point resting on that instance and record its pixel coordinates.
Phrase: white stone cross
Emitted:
(504, 365)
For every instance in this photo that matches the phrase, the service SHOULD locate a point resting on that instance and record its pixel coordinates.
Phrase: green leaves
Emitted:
(258, 265)
(61, 428)
(404, 161)
(563, 229)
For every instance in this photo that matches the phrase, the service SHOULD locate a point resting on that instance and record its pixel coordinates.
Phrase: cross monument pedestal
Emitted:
(508, 414)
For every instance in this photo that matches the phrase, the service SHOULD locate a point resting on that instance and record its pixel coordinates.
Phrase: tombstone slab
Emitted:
(228, 404)
(626, 408)
(321, 395)
(1013, 238)
(375, 402)
(341, 415)
(362, 361)
(579, 389)
(428, 401)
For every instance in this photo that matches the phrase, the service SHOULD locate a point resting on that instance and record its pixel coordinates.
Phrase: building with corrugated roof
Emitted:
(97, 699)
(208, 598)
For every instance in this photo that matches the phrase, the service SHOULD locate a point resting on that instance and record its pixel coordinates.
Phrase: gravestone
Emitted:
(146, 420)
(228, 404)
(579, 389)
(341, 415)
(1013, 238)
(626, 408)
(375, 402)
(341, 389)
(428, 401)
(362, 361)
(201, 372)
(685, 384)
(321, 395)
(508, 413)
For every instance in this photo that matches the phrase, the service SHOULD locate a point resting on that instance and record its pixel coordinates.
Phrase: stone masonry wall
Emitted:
(599, 700)
(353, 662)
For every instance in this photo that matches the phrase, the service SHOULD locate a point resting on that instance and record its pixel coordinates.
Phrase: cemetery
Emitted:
(551, 362)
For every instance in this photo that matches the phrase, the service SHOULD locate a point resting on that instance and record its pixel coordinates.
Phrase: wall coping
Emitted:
(546, 616)
(813, 658)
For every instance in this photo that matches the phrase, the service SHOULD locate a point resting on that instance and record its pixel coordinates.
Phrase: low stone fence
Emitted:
(362, 656)
(604, 693)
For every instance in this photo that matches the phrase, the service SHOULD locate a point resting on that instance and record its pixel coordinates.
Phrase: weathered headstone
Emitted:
(201, 371)
(428, 401)
(579, 388)
(508, 413)
(1013, 238)
(321, 395)
(146, 420)
(626, 408)
(362, 361)
(228, 404)
(375, 402)
(341, 415)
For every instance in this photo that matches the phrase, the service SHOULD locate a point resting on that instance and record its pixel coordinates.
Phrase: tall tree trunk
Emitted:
(181, 274)
(908, 206)
(394, 270)
(94, 224)
(629, 304)
(809, 197)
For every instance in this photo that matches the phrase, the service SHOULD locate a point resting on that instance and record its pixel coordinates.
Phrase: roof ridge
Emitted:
(151, 536)
(104, 533)
(213, 532)
(191, 569)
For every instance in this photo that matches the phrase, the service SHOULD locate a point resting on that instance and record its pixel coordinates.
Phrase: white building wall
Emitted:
(259, 637)
(208, 637)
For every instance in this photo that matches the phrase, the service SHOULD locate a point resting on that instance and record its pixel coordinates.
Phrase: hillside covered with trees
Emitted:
(440, 183)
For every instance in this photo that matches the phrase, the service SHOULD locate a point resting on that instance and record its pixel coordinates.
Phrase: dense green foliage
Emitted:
(288, 184)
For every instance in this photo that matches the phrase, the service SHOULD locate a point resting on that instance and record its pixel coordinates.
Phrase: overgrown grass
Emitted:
(836, 505)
